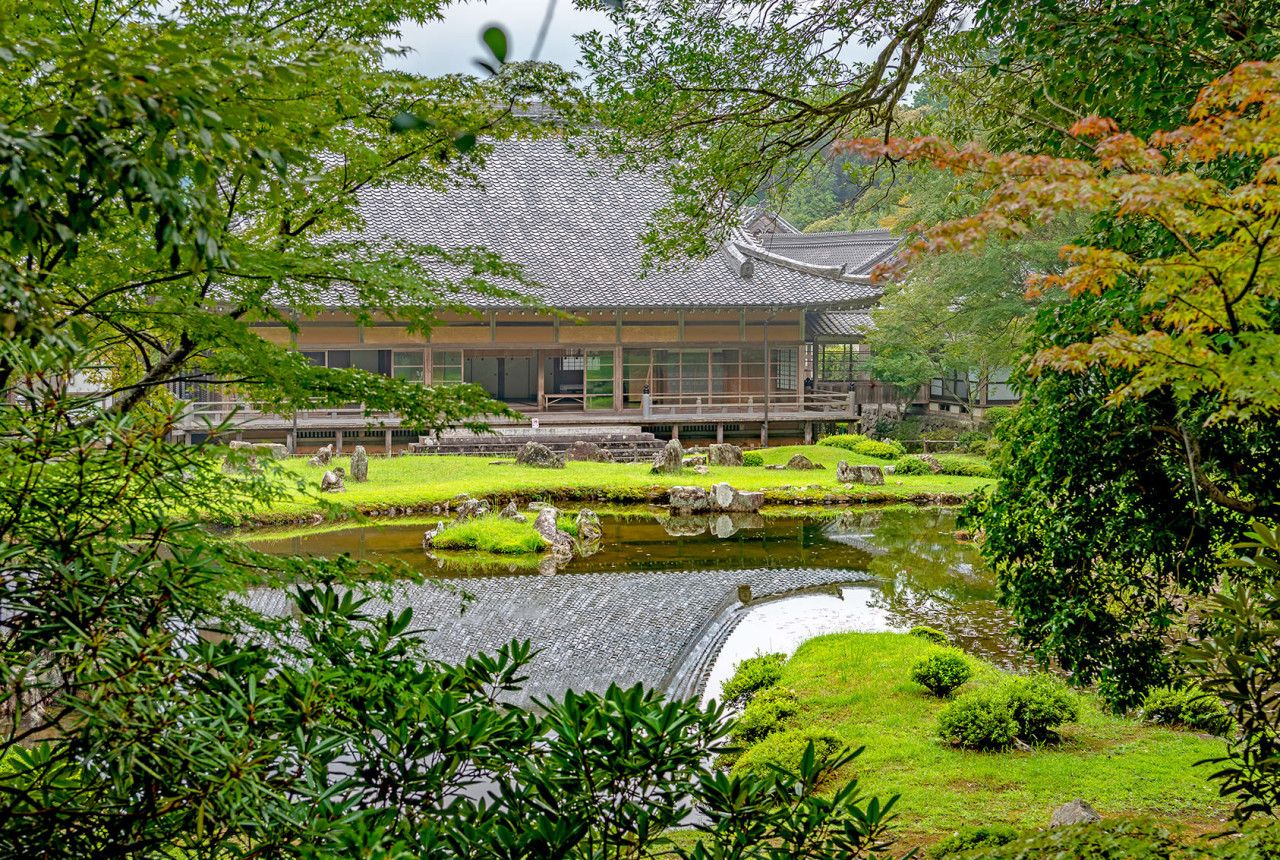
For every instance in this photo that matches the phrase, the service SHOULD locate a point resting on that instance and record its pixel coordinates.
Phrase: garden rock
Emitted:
(1075, 812)
(469, 509)
(545, 524)
(540, 456)
(931, 461)
(359, 465)
(510, 513)
(430, 535)
(274, 450)
(726, 498)
(322, 457)
(588, 452)
(689, 498)
(589, 528)
(243, 463)
(669, 460)
(847, 474)
(696, 460)
(724, 454)
(802, 463)
(701, 470)
(332, 482)
(776, 467)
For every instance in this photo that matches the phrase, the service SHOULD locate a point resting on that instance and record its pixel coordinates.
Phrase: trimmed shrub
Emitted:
(942, 671)
(751, 676)
(1186, 707)
(997, 415)
(978, 720)
(973, 439)
(952, 465)
(973, 836)
(911, 466)
(881, 450)
(1040, 705)
(764, 715)
(786, 749)
(751, 458)
(844, 441)
(937, 637)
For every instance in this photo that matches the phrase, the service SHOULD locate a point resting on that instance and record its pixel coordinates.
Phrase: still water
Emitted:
(679, 600)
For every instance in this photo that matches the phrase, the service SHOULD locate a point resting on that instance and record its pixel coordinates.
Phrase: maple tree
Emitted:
(1147, 437)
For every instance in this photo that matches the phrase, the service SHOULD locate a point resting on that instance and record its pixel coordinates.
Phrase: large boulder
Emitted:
(332, 482)
(359, 465)
(694, 460)
(724, 454)
(545, 523)
(243, 461)
(931, 461)
(589, 529)
(689, 498)
(669, 460)
(726, 498)
(540, 456)
(802, 463)
(856, 474)
(588, 452)
(1074, 812)
(322, 457)
(274, 450)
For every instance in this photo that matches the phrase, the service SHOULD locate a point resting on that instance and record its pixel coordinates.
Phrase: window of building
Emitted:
(446, 367)
(598, 379)
(785, 369)
(407, 364)
(838, 362)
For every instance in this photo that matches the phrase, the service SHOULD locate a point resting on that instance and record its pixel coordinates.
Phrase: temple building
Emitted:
(760, 338)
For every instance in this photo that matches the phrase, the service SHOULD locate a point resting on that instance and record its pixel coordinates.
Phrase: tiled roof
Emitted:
(859, 252)
(838, 324)
(575, 227)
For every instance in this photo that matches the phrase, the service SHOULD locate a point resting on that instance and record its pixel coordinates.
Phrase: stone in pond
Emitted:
(359, 465)
(669, 460)
(1074, 812)
(689, 498)
(588, 526)
(726, 498)
(545, 523)
(470, 509)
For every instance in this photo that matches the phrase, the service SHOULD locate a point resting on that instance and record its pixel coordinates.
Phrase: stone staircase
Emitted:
(626, 444)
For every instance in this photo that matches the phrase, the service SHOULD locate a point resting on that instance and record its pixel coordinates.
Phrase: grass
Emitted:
(857, 685)
(412, 482)
(493, 535)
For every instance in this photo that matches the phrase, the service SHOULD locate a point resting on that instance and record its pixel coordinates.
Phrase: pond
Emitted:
(674, 602)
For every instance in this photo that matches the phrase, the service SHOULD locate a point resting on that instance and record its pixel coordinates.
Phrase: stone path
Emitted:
(597, 629)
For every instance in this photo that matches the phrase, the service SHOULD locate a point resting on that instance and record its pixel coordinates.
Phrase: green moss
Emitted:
(491, 534)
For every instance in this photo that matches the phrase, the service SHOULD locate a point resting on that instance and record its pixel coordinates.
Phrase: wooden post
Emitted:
(720, 433)
(808, 432)
(387, 435)
(337, 440)
(542, 380)
(617, 377)
(675, 432)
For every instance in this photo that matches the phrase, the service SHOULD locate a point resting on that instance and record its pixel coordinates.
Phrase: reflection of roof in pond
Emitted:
(591, 629)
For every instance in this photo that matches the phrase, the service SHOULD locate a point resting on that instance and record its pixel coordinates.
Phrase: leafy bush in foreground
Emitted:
(787, 750)
(764, 714)
(942, 671)
(973, 836)
(751, 458)
(844, 441)
(752, 675)
(978, 720)
(1040, 705)
(1190, 708)
(881, 450)
(937, 637)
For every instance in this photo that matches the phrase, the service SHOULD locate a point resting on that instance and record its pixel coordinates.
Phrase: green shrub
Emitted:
(1186, 707)
(764, 715)
(751, 458)
(751, 676)
(937, 637)
(978, 720)
(971, 438)
(490, 533)
(845, 441)
(942, 671)
(973, 836)
(786, 749)
(882, 450)
(967, 466)
(911, 466)
(1122, 839)
(997, 415)
(1040, 705)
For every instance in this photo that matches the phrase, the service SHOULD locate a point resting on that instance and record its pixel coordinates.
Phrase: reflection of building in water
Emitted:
(657, 629)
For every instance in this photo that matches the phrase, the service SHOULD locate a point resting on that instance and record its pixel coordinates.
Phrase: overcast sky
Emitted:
(449, 46)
